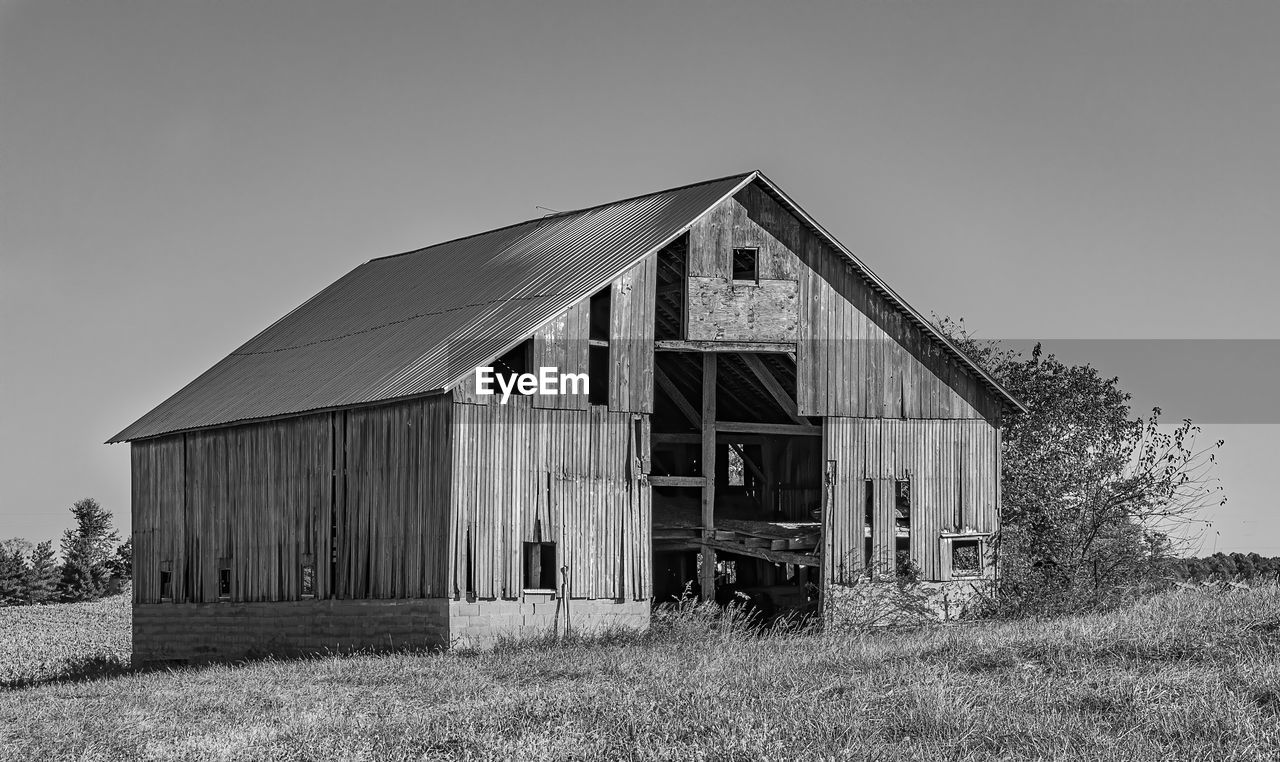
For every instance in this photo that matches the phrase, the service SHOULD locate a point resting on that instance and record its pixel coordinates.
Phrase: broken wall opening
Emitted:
(737, 477)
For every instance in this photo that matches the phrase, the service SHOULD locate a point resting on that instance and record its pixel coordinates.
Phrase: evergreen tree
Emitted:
(121, 564)
(42, 575)
(86, 551)
(13, 571)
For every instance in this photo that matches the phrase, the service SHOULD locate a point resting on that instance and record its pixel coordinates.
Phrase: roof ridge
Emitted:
(736, 175)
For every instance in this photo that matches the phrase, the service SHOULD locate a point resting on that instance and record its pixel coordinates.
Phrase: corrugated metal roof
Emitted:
(417, 322)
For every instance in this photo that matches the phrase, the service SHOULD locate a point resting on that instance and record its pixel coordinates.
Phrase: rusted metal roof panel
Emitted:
(415, 323)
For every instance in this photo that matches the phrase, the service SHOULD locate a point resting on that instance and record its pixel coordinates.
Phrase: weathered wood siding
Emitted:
(572, 476)
(856, 355)
(859, 357)
(253, 497)
(952, 466)
(562, 344)
(157, 467)
(392, 520)
(258, 497)
(631, 338)
(731, 224)
(363, 492)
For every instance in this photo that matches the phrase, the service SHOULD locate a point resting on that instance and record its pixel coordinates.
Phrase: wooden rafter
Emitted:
(673, 392)
(771, 385)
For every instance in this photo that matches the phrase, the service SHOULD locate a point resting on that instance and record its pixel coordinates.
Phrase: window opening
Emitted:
(869, 526)
(598, 349)
(746, 265)
(516, 362)
(166, 581)
(598, 371)
(669, 305)
(736, 468)
(601, 314)
(966, 558)
(470, 581)
(540, 566)
(904, 567)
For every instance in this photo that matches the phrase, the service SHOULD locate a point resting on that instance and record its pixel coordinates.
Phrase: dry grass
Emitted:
(1187, 675)
(42, 642)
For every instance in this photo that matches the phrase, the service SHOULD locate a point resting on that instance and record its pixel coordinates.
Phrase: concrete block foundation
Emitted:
(224, 631)
(482, 624)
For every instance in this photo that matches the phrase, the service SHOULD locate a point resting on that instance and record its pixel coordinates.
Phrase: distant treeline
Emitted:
(92, 559)
(1226, 566)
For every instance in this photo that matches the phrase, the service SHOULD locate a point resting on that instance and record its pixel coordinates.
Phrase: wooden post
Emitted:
(707, 575)
(767, 499)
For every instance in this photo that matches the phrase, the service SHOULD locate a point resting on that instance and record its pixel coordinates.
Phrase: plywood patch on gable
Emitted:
(720, 310)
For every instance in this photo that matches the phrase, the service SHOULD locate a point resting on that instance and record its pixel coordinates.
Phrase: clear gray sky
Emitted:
(176, 175)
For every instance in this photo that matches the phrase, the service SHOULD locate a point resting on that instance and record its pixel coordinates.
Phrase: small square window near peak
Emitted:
(746, 265)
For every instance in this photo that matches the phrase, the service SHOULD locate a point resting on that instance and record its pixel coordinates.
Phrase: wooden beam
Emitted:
(776, 556)
(676, 345)
(783, 429)
(661, 437)
(707, 575)
(677, 481)
(771, 385)
(767, 493)
(673, 392)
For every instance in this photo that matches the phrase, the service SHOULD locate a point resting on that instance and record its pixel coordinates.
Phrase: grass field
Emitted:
(42, 642)
(1187, 675)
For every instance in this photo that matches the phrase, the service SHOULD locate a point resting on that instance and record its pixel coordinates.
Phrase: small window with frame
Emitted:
(746, 265)
(966, 558)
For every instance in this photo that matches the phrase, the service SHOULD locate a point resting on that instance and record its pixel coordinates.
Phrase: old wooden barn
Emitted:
(763, 417)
